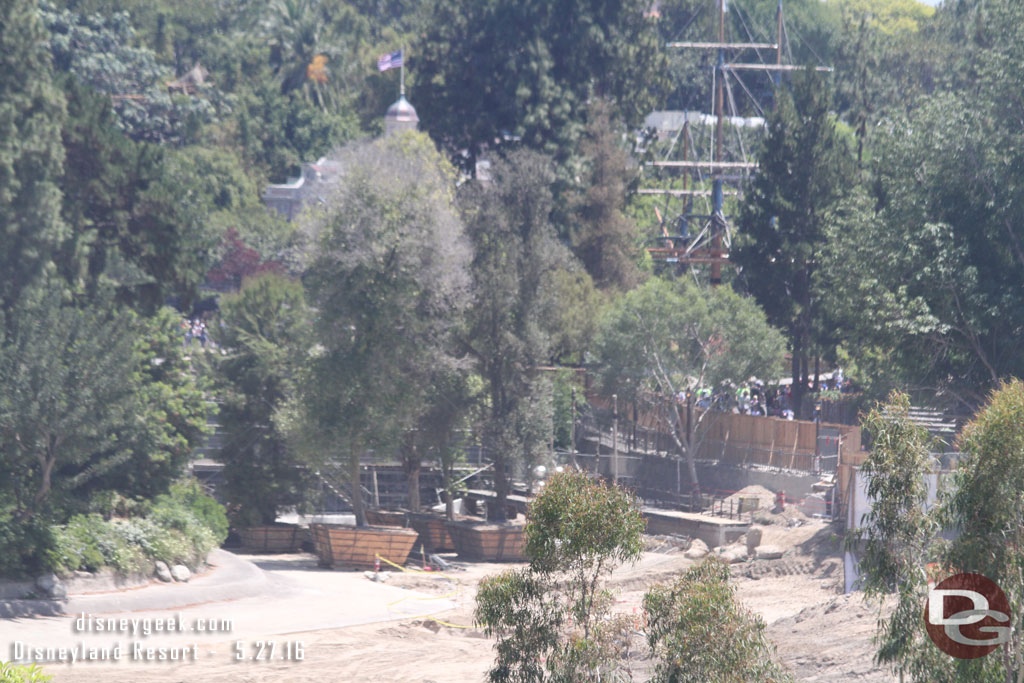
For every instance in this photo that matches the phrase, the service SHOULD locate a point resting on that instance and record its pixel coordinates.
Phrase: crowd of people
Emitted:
(752, 398)
(194, 329)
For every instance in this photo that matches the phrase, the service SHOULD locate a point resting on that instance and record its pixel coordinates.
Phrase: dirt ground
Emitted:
(821, 635)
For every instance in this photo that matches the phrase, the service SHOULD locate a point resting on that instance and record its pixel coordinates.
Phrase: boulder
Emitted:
(733, 554)
(697, 550)
(52, 586)
(163, 572)
(753, 540)
(814, 504)
(180, 572)
(769, 552)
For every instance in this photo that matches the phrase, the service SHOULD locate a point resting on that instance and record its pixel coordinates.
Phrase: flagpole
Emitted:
(401, 90)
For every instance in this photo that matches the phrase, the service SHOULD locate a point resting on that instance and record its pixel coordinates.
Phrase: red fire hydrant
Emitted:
(780, 501)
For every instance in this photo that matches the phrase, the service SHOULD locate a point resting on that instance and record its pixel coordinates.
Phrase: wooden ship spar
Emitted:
(709, 243)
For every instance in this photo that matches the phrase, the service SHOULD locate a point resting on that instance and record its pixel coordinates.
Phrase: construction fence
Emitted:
(732, 438)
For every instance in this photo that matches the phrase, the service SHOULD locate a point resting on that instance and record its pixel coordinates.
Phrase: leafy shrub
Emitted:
(26, 549)
(17, 673)
(202, 505)
(698, 632)
(177, 530)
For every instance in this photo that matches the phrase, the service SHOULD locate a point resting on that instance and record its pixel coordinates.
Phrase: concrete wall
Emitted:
(660, 479)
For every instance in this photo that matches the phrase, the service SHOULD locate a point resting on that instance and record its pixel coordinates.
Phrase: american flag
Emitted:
(391, 61)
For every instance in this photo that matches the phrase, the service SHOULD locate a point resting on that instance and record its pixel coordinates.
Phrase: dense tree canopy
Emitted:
(490, 72)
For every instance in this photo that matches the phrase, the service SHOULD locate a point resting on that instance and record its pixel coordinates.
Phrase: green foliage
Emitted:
(189, 494)
(18, 673)
(603, 237)
(981, 500)
(582, 527)
(67, 391)
(898, 532)
(667, 335)
(805, 169)
(170, 398)
(25, 547)
(389, 278)
(509, 327)
(552, 619)
(180, 528)
(986, 505)
(265, 331)
(698, 631)
(31, 110)
(478, 81)
(103, 53)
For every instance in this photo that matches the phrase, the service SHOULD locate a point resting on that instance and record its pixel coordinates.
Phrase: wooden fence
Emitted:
(734, 438)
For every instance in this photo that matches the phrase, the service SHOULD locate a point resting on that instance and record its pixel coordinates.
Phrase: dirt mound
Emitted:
(765, 498)
(841, 629)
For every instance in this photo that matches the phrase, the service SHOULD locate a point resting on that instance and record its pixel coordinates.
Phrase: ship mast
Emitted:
(711, 245)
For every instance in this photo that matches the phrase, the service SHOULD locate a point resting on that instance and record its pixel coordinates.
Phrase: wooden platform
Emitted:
(341, 545)
(488, 542)
(715, 531)
(518, 503)
(386, 518)
(433, 531)
(272, 538)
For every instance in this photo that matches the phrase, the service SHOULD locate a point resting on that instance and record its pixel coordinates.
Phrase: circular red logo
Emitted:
(967, 616)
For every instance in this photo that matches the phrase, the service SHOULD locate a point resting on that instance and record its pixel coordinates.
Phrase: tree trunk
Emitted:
(496, 513)
(796, 393)
(413, 477)
(356, 488)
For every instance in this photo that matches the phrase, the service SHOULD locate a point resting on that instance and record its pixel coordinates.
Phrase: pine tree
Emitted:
(31, 155)
(805, 169)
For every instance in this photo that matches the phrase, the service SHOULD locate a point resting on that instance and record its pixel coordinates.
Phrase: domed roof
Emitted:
(402, 111)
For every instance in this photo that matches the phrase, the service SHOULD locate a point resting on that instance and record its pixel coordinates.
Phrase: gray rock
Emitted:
(697, 550)
(753, 540)
(769, 552)
(163, 572)
(733, 554)
(52, 586)
(180, 572)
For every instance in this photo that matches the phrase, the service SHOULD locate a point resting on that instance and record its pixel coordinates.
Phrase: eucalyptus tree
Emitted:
(388, 279)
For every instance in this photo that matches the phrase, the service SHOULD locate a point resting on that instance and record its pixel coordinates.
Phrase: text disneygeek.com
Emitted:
(134, 650)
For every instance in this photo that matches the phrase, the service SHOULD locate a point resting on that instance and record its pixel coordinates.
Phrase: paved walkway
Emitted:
(244, 598)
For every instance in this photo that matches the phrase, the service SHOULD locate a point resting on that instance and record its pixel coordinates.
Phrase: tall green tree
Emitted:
(389, 279)
(66, 372)
(31, 112)
(805, 168)
(672, 336)
(516, 255)
(603, 237)
(487, 71)
(265, 330)
(140, 216)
